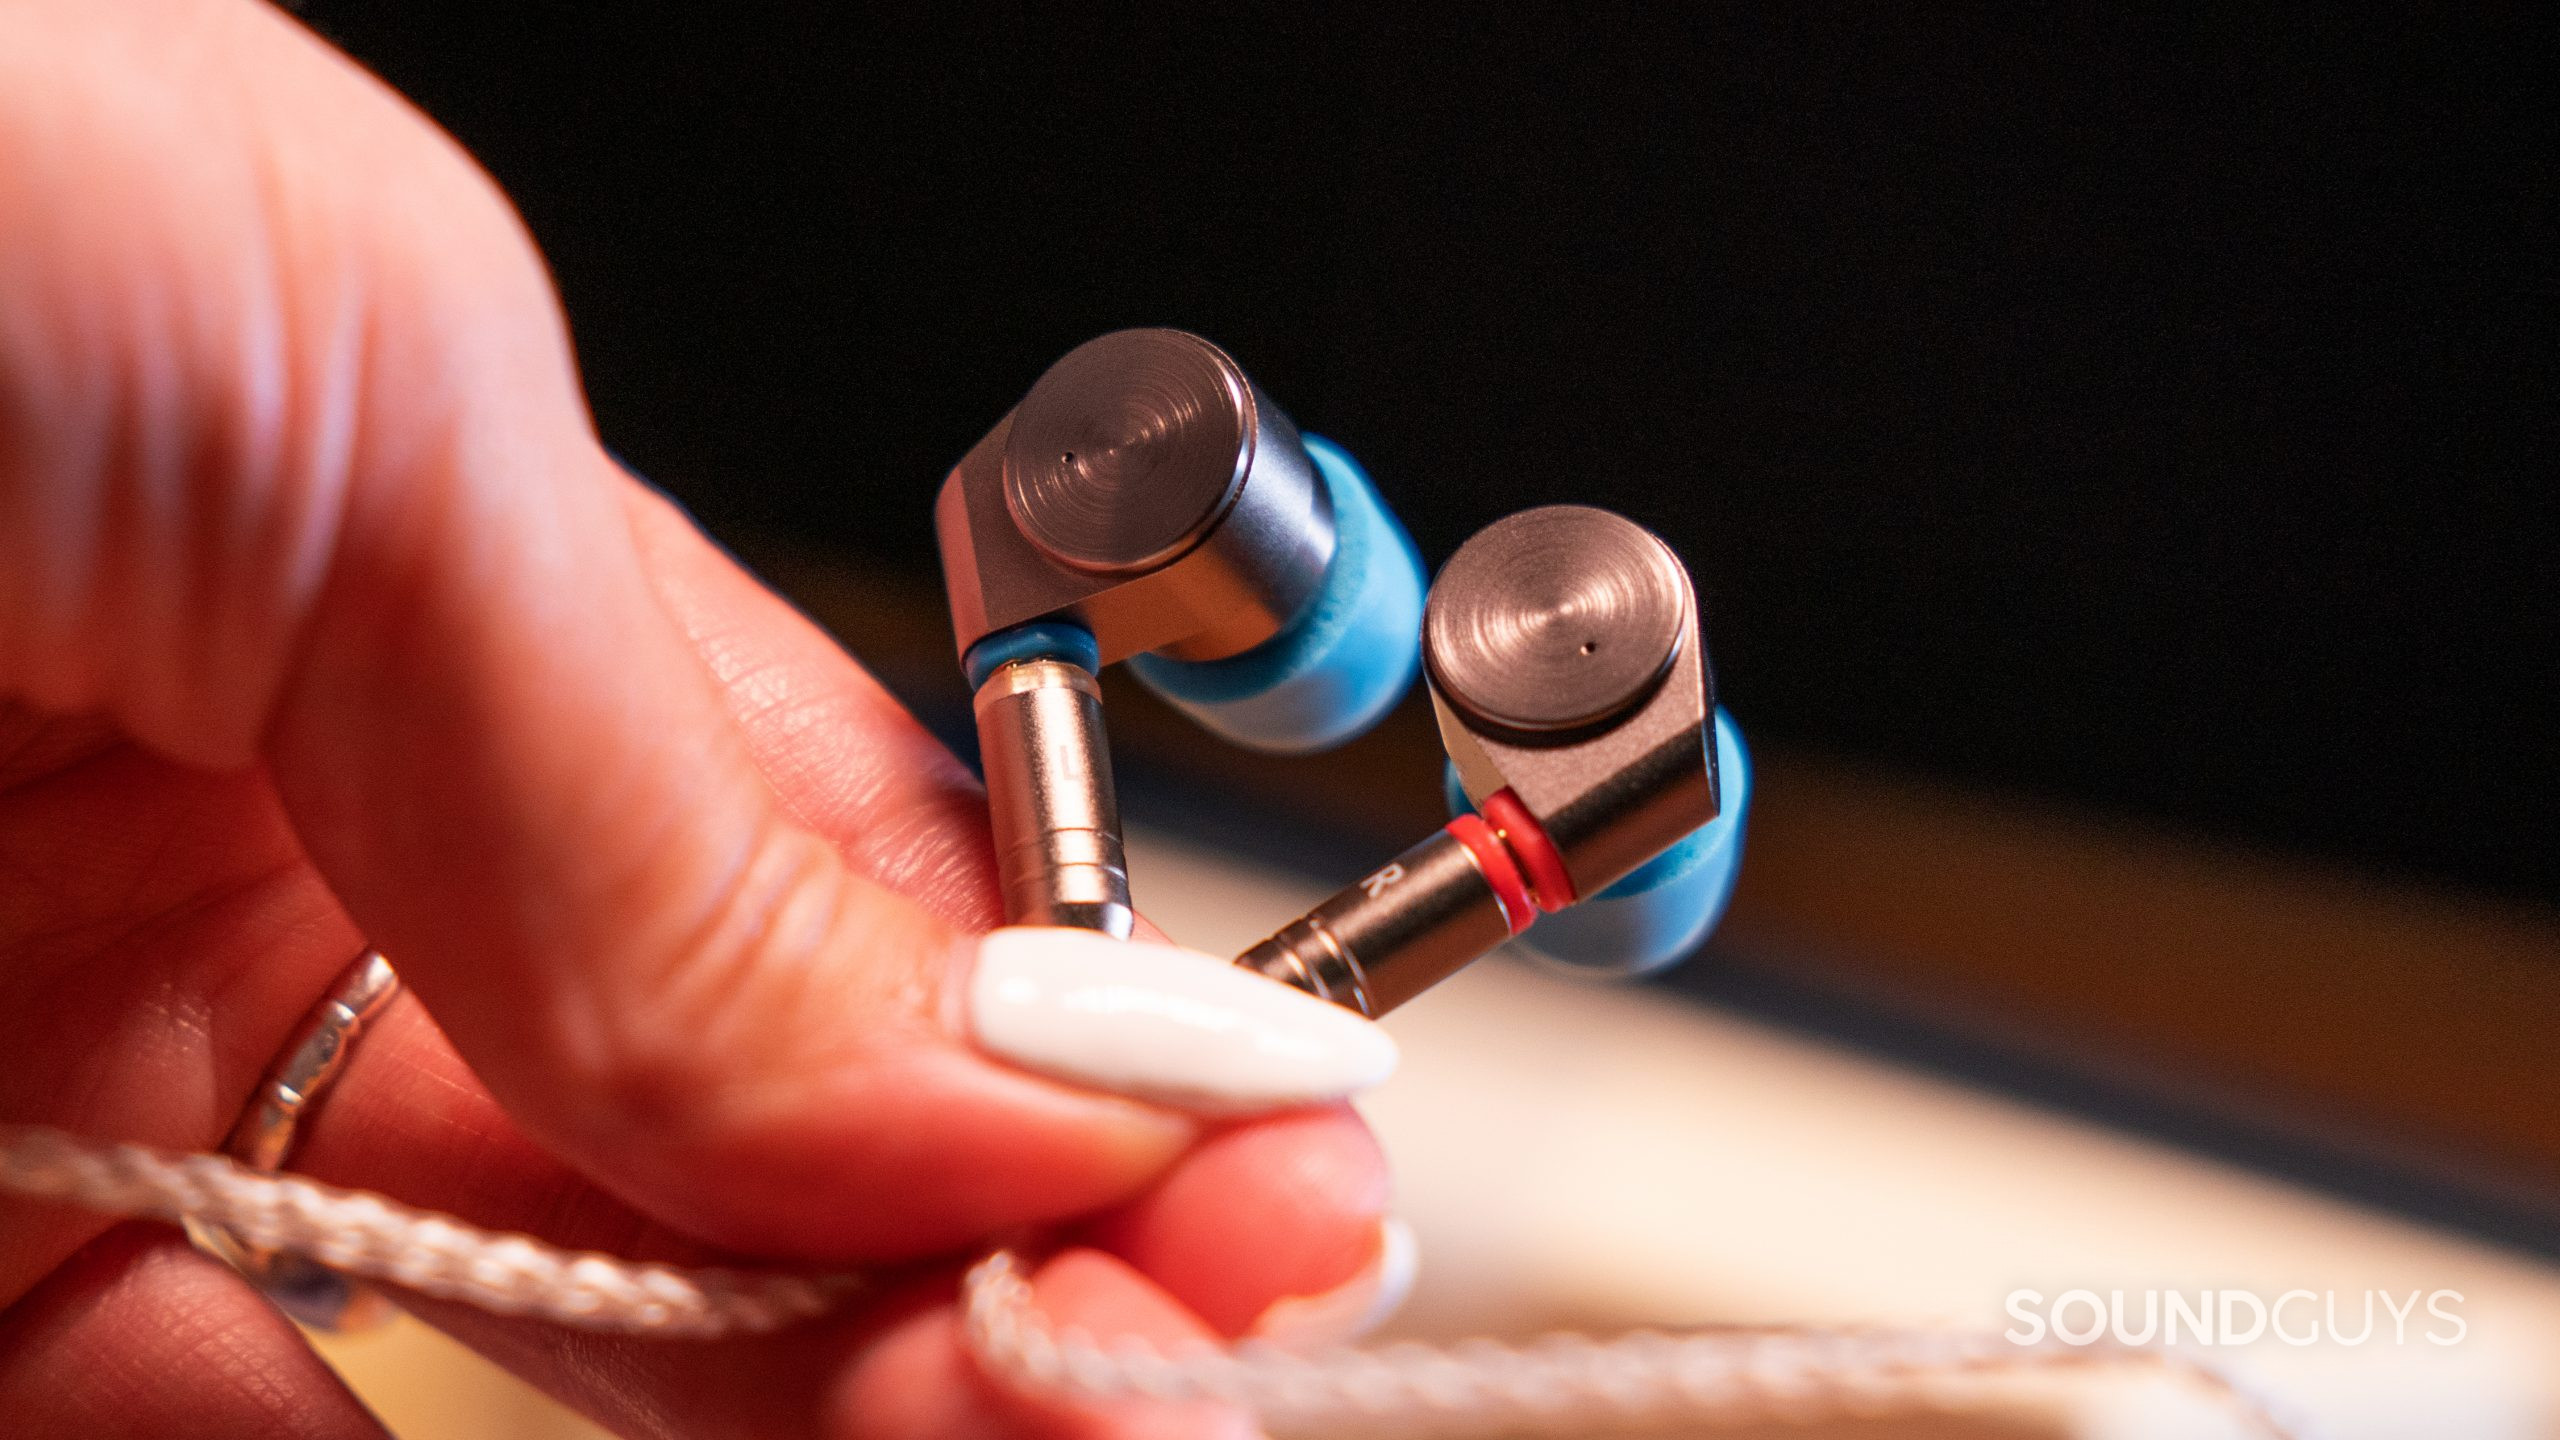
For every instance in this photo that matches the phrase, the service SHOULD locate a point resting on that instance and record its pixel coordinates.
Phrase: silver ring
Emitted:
(263, 1139)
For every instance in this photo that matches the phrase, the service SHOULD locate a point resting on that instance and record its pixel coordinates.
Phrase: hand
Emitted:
(325, 619)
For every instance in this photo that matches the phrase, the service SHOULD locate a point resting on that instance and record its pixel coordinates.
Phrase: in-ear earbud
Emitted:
(1570, 680)
(1146, 499)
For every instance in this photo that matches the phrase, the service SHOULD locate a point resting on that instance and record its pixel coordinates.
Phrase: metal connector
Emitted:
(1399, 930)
(1049, 793)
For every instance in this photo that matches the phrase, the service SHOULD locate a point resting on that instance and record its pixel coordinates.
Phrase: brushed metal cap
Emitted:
(1554, 619)
(1129, 450)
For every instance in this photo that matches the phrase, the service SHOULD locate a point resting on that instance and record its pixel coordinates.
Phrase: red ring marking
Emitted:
(1494, 862)
(1549, 885)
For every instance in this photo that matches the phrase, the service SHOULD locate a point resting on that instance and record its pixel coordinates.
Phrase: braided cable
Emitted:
(432, 1254)
(1561, 1384)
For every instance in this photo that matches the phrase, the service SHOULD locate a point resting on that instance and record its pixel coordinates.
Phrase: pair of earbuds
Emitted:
(1147, 502)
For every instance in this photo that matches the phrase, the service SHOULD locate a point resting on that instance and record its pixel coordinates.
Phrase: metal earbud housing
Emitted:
(1145, 489)
(1053, 809)
(1562, 651)
(1147, 500)
(1573, 693)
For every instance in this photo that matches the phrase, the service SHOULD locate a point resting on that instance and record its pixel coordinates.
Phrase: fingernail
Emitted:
(1162, 1023)
(1352, 1309)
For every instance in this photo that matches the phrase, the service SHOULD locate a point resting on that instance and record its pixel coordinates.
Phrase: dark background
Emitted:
(2151, 414)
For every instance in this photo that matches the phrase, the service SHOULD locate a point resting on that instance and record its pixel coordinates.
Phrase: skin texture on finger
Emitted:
(843, 755)
(140, 1336)
(1316, 1187)
(286, 387)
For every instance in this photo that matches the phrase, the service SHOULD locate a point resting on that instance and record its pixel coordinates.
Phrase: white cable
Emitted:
(1563, 1384)
(432, 1254)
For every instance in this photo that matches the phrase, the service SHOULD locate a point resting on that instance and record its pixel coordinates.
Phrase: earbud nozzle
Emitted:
(1347, 658)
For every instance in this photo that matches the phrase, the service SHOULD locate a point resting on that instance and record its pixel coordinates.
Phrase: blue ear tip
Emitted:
(1657, 915)
(1347, 658)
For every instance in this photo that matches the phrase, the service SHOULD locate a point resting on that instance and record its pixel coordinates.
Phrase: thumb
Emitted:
(294, 469)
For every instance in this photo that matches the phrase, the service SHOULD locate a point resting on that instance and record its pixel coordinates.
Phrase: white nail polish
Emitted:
(1165, 1024)
(1353, 1308)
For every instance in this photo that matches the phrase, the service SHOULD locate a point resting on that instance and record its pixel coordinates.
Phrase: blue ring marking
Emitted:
(1663, 909)
(1342, 662)
(1038, 640)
